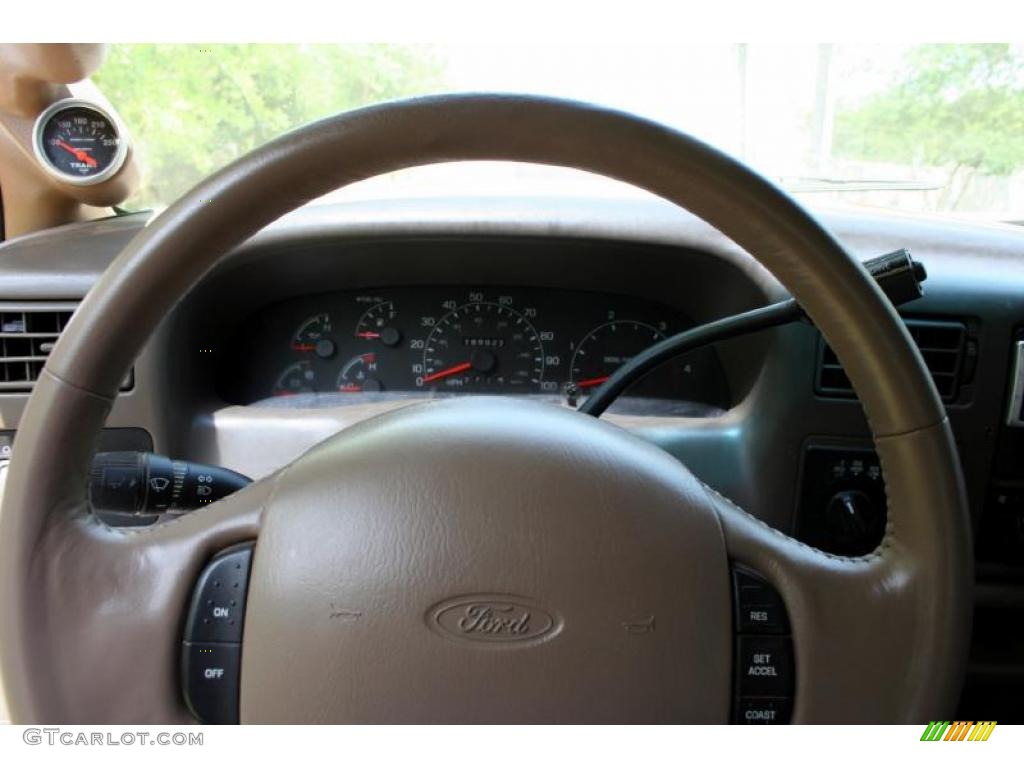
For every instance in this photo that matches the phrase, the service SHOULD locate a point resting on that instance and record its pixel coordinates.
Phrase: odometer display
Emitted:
(483, 346)
(78, 142)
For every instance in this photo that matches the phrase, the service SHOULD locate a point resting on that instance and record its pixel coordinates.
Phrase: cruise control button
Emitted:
(218, 603)
(764, 666)
(211, 672)
(776, 711)
(761, 617)
(759, 609)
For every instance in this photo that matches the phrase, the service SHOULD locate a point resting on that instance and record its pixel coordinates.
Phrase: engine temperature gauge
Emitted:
(359, 374)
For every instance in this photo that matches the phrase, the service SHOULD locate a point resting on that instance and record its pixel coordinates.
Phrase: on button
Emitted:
(218, 602)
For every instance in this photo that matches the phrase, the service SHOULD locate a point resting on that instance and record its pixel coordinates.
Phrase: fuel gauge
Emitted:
(377, 324)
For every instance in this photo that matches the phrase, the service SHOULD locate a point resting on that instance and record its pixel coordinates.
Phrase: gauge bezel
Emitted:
(116, 163)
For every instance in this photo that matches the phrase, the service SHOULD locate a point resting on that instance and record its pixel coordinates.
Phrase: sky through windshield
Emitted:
(926, 128)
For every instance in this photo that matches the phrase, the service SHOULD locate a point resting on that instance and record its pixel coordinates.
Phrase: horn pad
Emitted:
(487, 560)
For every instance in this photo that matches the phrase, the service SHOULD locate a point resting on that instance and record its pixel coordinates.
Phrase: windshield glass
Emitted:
(932, 128)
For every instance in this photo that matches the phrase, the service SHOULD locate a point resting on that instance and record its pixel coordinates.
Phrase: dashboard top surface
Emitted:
(64, 262)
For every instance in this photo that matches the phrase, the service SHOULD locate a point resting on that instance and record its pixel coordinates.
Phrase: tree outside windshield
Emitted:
(936, 128)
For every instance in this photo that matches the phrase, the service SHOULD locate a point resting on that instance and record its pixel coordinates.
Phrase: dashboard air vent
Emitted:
(942, 344)
(27, 335)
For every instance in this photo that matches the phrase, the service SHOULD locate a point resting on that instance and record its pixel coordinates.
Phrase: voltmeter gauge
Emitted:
(79, 142)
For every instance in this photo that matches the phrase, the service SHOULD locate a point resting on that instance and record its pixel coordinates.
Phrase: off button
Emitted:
(764, 666)
(211, 672)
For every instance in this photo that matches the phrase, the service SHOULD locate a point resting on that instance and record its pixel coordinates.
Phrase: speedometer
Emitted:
(482, 346)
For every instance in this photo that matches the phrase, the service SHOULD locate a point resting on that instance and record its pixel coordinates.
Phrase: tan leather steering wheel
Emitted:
(585, 521)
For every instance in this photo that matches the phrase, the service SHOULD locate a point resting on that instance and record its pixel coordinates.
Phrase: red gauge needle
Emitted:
(79, 154)
(447, 372)
(596, 381)
(368, 335)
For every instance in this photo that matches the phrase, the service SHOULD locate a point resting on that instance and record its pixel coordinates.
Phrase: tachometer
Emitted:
(78, 142)
(482, 346)
(607, 347)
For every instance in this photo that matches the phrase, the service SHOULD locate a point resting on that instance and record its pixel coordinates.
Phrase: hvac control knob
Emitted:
(851, 519)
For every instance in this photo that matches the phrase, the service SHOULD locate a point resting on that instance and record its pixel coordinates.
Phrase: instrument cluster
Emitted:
(447, 340)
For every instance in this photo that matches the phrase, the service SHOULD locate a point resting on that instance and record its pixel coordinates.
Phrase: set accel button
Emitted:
(764, 652)
(765, 666)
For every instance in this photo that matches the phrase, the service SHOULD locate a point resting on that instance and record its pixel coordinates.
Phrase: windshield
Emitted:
(933, 128)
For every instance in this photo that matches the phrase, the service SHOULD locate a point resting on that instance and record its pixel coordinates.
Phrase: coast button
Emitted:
(768, 711)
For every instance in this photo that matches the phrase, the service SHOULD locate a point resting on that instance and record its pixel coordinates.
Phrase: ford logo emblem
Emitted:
(493, 620)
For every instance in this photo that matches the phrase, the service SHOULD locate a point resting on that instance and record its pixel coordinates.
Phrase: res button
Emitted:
(759, 609)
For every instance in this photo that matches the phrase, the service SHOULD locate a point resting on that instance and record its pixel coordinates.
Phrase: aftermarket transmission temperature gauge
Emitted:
(78, 142)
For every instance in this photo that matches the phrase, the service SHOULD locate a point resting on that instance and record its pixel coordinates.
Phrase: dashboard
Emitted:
(338, 313)
(437, 340)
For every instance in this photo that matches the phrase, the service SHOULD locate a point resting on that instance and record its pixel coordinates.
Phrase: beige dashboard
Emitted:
(755, 450)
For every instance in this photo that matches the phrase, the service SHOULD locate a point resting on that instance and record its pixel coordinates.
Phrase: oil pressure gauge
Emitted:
(79, 142)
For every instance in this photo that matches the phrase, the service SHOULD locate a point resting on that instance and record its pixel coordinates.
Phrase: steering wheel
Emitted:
(359, 540)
